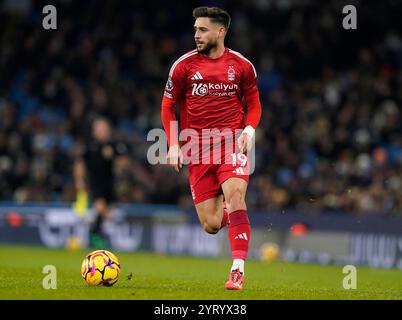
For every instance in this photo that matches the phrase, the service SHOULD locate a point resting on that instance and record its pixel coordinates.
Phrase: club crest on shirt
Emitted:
(231, 73)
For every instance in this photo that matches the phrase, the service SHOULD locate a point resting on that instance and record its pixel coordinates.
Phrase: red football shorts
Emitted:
(206, 179)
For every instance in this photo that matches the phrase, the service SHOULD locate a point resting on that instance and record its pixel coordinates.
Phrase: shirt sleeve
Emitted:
(168, 116)
(253, 110)
(176, 83)
(249, 83)
(174, 90)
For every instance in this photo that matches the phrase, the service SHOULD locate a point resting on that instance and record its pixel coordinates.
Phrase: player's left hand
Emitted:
(244, 143)
(175, 157)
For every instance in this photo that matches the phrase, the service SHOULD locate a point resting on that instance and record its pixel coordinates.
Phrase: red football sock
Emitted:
(239, 234)
(225, 218)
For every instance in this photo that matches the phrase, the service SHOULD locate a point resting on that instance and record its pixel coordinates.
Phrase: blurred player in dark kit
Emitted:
(93, 173)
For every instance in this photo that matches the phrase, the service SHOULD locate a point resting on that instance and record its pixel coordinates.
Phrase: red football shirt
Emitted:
(210, 91)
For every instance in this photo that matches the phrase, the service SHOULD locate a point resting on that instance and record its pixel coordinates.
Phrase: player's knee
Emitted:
(211, 227)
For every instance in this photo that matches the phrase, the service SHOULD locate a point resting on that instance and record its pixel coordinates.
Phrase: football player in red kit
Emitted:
(209, 84)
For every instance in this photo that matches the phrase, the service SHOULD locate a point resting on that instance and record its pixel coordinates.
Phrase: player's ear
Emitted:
(222, 32)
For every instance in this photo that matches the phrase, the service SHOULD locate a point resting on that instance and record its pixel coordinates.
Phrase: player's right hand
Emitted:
(175, 157)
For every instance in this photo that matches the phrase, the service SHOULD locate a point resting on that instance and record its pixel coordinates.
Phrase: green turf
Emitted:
(168, 277)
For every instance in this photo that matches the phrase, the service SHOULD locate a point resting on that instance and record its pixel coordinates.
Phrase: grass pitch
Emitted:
(159, 277)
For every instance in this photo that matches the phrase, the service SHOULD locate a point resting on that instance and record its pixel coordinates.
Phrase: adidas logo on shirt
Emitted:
(197, 76)
(241, 236)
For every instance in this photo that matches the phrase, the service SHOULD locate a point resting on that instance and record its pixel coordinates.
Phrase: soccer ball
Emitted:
(100, 268)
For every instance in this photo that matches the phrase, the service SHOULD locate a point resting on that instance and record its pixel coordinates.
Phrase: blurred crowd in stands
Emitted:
(330, 138)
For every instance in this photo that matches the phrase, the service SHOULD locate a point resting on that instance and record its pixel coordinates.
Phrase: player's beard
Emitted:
(208, 47)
